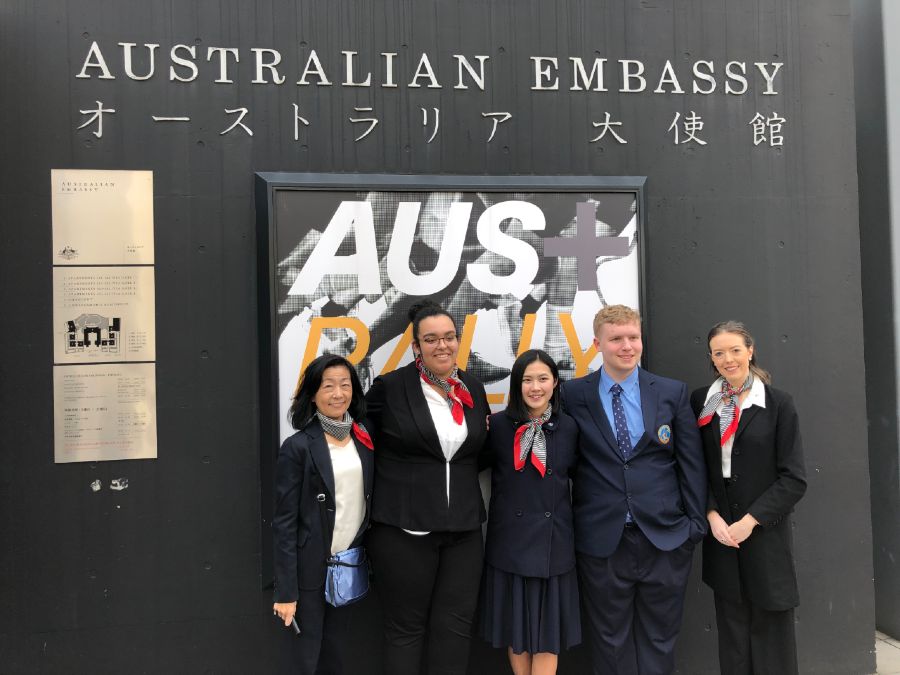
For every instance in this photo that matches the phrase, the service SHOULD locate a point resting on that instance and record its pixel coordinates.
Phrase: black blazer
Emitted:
(530, 529)
(410, 468)
(663, 482)
(768, 478)
(304, 484)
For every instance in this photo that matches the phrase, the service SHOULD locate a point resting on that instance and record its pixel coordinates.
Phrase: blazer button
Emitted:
(626, 467)
(546, 514)
(320, 498)
(549, 472)
(734, 506)
(518, 513)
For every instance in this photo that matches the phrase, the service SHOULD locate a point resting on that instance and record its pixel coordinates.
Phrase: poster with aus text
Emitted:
(517, 267)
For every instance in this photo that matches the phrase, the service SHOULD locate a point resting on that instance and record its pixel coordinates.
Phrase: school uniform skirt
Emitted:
(530, 614)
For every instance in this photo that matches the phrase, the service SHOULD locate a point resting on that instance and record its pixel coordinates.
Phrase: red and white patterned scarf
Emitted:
(530, 438)
(457, 393)
(340, 429)
(731, 414)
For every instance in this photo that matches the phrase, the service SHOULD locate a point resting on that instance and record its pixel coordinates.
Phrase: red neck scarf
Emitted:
(530, 439)
(730, 416)
(457, 393)
(342, 428)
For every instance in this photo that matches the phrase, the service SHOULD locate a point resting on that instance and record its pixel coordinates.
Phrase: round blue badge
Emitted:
(664, 434)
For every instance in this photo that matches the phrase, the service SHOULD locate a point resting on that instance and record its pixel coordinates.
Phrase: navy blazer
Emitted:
(530, 529)
(768, 478)
(304, 484)
(663, 482)
(410, 467)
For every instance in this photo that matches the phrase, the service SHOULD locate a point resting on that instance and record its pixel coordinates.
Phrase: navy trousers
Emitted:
(632, 605)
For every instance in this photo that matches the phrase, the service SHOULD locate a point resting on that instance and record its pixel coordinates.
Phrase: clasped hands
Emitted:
(731, 535)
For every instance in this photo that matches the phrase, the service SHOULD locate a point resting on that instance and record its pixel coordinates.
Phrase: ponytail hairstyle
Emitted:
(738, 328)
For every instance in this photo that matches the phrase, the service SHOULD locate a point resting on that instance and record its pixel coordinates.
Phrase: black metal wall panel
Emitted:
(164, 577)
(878, 293)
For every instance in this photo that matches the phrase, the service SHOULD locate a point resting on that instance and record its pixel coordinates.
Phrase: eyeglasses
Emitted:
(448, 339)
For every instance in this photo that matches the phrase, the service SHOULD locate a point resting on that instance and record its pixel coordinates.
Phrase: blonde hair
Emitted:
(615, 314)
(738, 328)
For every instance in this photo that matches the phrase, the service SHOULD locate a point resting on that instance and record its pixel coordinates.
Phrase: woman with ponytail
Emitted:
(323, 480)
(429, 421)
(754, 459)
(530, 587)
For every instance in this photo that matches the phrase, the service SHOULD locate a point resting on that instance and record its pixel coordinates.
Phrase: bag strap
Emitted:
(341, 563)
(330, 559)
(323, 500)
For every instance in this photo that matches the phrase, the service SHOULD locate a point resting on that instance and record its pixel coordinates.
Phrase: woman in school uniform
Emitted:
(529, 589)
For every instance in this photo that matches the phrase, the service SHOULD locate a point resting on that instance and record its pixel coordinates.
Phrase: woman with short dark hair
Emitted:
(323, 480)
(530, 587)
(754, 459)
(428, 420)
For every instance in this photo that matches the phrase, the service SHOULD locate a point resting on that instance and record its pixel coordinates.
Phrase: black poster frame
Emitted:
(268, 184)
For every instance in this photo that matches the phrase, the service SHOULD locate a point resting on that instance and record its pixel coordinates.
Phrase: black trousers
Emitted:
(633, 602)
(753, 640)
(318, 649)
(428, 585)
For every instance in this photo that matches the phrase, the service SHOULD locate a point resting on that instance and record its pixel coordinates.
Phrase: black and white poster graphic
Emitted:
(518, 270)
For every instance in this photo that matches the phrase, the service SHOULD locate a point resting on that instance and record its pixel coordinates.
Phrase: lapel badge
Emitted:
(664, 434)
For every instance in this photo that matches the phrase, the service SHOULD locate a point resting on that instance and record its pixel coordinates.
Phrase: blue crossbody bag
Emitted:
(346, 572)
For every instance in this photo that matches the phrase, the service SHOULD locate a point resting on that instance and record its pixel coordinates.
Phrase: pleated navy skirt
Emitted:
(529, 614)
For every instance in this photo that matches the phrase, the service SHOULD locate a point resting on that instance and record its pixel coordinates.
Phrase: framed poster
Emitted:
(521, 262)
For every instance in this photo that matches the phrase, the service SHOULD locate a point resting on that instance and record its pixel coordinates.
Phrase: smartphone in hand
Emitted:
(295, 625)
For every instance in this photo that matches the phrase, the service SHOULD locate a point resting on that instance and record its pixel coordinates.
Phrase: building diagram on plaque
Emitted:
(88, 333)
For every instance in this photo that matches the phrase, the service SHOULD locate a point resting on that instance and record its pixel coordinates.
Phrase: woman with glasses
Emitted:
(754, 459)
(428, 421)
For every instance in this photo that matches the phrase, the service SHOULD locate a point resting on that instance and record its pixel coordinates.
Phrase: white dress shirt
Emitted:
(450, 434)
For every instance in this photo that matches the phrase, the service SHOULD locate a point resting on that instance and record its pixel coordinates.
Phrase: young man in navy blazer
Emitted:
(639, 501)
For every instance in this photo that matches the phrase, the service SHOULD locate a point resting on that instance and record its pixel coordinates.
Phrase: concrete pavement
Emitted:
(887, 655)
